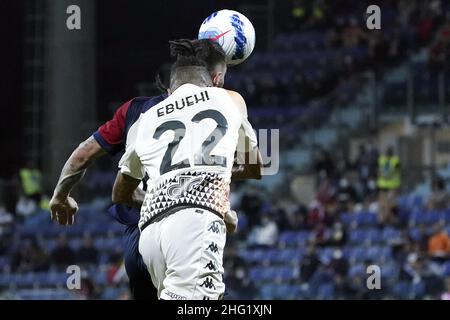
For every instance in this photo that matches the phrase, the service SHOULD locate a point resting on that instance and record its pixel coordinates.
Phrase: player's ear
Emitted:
(217, 79)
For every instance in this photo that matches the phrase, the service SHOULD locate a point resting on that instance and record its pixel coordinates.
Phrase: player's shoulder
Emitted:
(144, 103)
(238, 100)
(140, 105)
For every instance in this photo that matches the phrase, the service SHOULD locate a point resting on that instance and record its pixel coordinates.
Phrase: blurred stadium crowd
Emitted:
(361, 214)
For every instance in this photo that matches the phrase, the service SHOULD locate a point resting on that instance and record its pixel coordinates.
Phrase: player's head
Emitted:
(214, 56)
(200, 62)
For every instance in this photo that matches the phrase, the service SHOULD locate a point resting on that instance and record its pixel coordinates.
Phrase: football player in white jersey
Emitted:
(187, 144)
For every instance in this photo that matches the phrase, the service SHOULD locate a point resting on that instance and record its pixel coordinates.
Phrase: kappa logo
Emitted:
(211, 266)
(214, 227)
(213, 247)
(208, 283)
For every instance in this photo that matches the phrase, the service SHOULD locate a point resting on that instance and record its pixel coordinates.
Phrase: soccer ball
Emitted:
(233, 31)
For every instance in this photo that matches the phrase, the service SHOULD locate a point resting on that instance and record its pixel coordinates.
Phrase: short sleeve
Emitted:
(131, 165)
(246, 133)
(111, 135)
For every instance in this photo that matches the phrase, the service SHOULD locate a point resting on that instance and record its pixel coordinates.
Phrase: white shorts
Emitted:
(184, 255)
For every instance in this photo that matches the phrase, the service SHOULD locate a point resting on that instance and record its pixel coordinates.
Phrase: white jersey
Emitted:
(186, 144)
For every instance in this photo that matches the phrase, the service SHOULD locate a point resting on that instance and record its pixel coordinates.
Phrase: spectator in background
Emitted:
(337, 236)
(309, 264)
(298, 218)
(326, 191)
(239, 283)
(88, 290)
(362, 163)
(439, 244)
(251, 204)
(25, 207)
(316, 215)
(6, 220)
(31, 179)
(389, 182)
(339, 265)
(439, 198)
(63, 255)
(341, 162)
(280, 218)
(264, 234)
(29, 257)
(87, 253)
(323, 163)
(446, 295)
(440, 50)
(346, 195)
(353, 35)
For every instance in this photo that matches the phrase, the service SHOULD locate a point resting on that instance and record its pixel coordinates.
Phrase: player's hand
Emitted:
(63, 210)
(231, 221)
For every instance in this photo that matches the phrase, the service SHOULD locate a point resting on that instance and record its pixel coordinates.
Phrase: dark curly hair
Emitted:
(203, 52)
(197, 58)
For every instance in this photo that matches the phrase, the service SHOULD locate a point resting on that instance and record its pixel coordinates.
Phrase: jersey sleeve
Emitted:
(130, 164)
(247, 140)
(111, 135)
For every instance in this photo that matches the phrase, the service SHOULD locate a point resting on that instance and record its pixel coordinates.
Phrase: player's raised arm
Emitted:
(243, 169)
(107, 139)
(62, 206)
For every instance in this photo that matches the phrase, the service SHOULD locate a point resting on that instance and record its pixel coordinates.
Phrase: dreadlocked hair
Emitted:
(197, 52)
(186, 53)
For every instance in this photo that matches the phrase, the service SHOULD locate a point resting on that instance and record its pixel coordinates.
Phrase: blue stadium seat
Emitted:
(286, 274)
(325, 291)
(281, 291)
(272, 256)
(270, 273)
(347, 218)
(402, 290)
(446, 269)
(389, 271)
(5, 279)
(366, 218)
(325, 254)
(255, 255)
(257, 274)
(288, 238)
(359, 253)
(267, 292)
(100, 277)
(294, 292)
(111, 293)
(356, 269)
(290, 255)
(390, 234)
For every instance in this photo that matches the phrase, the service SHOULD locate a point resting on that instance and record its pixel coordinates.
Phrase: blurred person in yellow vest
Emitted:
(31, 183)
(388, 183)
(389, 170)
